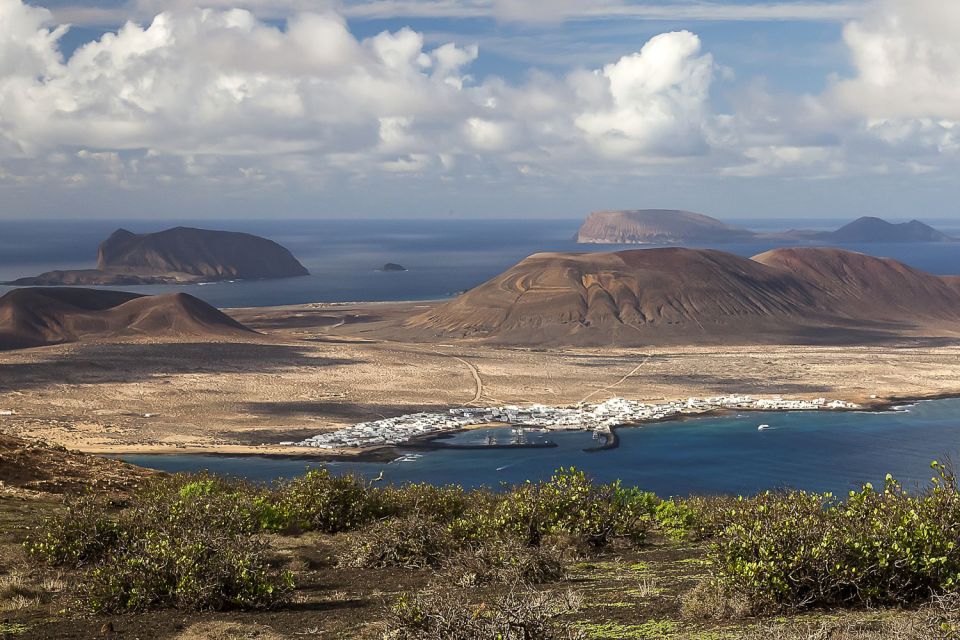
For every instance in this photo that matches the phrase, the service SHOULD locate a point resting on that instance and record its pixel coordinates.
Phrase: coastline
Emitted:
(386, 454)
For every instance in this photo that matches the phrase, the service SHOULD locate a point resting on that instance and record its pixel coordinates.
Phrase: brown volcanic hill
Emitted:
(178, 255)
(38, 317)
(656, 226)
(683, 295)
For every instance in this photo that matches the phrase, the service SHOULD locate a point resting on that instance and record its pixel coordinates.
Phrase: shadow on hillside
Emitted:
(127, 362)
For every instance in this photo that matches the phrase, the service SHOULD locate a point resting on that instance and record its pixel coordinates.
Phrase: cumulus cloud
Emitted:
(223, 92)
(907, 58)
(225, 98)
(656, 99)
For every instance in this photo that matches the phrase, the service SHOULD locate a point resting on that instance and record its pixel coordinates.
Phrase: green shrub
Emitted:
(182, 542)
(319, 501)
(440, 504)
(876, 548)
(81, 534)
(695, 518)
(569, 503)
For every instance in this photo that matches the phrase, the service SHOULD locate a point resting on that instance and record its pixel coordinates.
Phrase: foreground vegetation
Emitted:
(567, 558)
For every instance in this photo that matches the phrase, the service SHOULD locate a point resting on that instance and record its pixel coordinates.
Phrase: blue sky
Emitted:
(480, 108)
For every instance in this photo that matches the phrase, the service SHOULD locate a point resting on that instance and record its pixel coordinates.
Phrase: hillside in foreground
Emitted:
(197, 557)
(675, 295)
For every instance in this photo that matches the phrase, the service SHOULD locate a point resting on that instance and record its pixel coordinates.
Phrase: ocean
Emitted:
(443, 257)
(814, 451)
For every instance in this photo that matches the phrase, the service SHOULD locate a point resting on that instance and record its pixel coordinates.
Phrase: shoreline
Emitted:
(386, 454)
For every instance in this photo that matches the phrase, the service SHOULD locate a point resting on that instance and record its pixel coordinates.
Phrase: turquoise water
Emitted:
(719, 454)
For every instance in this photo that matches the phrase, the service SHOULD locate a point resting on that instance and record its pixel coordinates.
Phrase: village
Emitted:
(599, 418)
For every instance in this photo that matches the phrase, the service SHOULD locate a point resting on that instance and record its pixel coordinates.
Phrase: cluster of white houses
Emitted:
(590, 417)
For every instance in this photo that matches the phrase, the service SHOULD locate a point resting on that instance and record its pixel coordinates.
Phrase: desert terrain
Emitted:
(319, 367)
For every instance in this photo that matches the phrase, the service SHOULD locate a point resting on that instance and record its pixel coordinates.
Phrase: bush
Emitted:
(695, 518)
(412, 542)
(319, 501)
(521, 614)
(568, 504)
(81, 534)
(505, 561)
(440, 504)
(182, 543)
(877, 548)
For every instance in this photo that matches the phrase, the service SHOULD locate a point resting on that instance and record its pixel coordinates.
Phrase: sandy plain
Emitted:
(319, 367)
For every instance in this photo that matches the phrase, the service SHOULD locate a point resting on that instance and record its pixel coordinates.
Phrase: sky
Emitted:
(478, 108)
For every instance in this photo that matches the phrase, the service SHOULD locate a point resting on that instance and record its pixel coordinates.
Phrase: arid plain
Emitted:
(319, 367)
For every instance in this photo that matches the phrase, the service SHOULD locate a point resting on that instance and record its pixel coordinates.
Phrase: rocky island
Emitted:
(178, 256)
(668, 226)
(392, 266)
(657, 226)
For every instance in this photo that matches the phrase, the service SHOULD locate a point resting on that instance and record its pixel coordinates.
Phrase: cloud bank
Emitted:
(222, 98)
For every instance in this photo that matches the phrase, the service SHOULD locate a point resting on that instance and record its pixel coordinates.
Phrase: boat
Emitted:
(763, 427)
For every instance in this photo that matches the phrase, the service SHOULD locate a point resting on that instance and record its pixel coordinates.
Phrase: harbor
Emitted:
(601, 418)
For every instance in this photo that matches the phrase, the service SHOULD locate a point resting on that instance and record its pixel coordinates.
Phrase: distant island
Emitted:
(392, 266)
(668, 226)
(178, 256)
(36, 317)
(683, 296)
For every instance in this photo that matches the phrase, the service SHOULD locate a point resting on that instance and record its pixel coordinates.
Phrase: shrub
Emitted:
(568, 504)
(440, 504)
(81, 534)
(183, 543)
(695, 518)
(877, 548)
(411, 542)
(521, 614)
(319, 501)
(506, 561)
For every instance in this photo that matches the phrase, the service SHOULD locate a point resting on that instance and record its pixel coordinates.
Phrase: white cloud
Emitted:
(223, 98)
(222, 95)
(907, 57)
(656, 100)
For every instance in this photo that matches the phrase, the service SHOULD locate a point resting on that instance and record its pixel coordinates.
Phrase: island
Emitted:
(392, 266)
(669, 226)
(180, 255)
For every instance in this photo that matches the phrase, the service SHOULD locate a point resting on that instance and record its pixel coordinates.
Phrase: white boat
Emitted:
(763, 427)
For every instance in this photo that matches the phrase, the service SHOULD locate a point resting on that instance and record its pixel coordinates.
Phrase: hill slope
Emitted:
(656, 226)
(38, 317)
(178, 255)
(685, 295)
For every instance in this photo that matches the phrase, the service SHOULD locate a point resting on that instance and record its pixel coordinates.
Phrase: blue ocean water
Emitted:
(444, 257)
(822, 451)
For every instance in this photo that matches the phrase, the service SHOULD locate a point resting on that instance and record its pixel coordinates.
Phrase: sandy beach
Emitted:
(316, 368)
